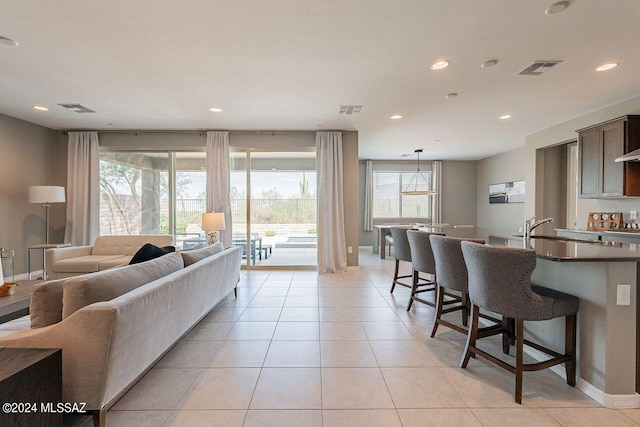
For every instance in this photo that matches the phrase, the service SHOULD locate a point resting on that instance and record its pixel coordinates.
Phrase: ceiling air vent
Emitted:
(78, 108)
(350, 109)
(538, 68)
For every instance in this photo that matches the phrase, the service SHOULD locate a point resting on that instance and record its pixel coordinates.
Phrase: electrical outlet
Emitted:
(633, 215)
(623, 296)
(350, 249)
(632, 246)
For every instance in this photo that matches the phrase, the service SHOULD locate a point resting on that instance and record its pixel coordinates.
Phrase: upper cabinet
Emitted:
(599, 176)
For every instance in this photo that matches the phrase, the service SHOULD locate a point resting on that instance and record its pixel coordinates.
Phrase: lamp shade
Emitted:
(213, 221)
(46, 194)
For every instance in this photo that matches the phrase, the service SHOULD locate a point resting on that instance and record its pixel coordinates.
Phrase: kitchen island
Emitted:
(608, 362)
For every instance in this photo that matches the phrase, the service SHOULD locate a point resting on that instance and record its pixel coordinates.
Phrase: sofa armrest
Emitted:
(85, 340)
(56, 254)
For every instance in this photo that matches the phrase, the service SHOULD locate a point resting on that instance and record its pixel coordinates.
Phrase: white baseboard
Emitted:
(353, 267)
(25, 276)
(612, 401)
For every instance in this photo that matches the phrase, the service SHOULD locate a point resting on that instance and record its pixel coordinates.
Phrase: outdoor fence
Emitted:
(125, 216)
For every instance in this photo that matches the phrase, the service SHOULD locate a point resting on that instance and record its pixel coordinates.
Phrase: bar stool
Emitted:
(500, 281)
(451, 272)
(422, 262)
(401, 252)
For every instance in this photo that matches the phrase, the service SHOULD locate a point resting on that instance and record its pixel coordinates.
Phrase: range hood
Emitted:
(633, 156)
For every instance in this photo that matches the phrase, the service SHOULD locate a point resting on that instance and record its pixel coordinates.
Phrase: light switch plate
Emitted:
(633, 215)
(623, 295)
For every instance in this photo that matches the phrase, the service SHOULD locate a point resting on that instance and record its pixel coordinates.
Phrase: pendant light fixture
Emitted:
(418, 186)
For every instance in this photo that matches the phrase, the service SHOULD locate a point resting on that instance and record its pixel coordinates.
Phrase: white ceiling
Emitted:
(289, 64)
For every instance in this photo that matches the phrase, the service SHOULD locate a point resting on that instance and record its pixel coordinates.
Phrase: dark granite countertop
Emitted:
(550, 249)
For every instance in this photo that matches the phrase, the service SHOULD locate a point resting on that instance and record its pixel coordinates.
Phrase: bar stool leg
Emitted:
(395, 276)
(472, 335)
(508, 326)
(414, 288)
(519, 357)
(465, 309)
(570, 348)
(439, 304)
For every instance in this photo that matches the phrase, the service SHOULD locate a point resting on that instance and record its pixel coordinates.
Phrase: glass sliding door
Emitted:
(238, 194)
(189, 198)
(274, 209)
(132, 189)
(153, 193)
(283, 209)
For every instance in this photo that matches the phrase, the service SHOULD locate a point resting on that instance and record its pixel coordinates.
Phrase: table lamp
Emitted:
(212, 222)
(46, 195)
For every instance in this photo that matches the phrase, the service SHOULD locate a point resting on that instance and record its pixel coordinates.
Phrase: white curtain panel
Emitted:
(83, 189)
(436, 185)
(368, 197)
(218, 187)
(332, 244)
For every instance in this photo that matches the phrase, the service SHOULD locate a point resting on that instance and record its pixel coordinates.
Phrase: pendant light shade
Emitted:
(418, 186)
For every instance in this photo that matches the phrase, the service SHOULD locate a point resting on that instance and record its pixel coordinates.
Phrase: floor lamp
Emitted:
(46, 195)
(212, 222)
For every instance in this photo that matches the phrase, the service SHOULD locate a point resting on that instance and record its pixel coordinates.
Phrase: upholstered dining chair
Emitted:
(451, 273)
(500, 281)
(422, 262)
(401, 252)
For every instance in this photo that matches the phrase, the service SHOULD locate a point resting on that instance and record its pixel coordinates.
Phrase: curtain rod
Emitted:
(203, 132)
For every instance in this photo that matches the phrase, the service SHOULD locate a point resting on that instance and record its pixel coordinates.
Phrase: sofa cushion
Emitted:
(127, 245)
(84, 264)
(193, 256)
(45, 307)
(78, 292)
(148, 252)
(114, 262)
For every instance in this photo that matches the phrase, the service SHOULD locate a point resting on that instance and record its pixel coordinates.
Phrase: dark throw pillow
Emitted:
(149, 252)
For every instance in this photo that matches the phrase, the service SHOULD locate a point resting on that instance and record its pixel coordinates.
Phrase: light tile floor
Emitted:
(301, 349)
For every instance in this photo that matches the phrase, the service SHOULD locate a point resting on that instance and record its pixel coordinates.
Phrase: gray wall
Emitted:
(351, 202)
(458, 193)
(528, 163)
(565, 132)
(505, 167)
(30, 156)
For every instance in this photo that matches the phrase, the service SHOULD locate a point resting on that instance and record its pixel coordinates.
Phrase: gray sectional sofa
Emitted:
(113, 326)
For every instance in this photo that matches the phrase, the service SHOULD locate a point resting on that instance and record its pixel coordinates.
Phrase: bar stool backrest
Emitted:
(499, 279)
(401, 250)
(421, 253)
(451, 269)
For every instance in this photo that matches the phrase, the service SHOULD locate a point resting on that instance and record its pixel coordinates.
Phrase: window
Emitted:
(389, 203)
(152, 193)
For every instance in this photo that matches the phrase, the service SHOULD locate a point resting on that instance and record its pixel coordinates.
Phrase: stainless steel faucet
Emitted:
(530, 225)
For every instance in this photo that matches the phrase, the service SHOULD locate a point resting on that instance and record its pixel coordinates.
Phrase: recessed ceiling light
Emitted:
(40, 108)
(215, 109)
(608, 66)
(505, 117)
(489, 63)
(451, 95)
(440, 65)
(8, 41)
(395, 117)
(557, 7)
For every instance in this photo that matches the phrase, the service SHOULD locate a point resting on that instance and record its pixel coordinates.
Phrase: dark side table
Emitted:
(29, 378)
